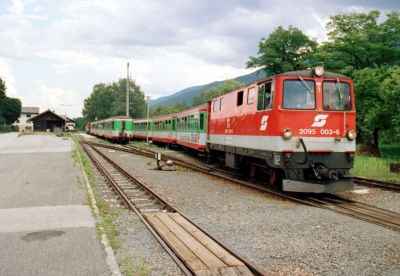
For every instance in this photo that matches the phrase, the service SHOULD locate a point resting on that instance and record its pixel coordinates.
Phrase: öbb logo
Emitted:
(264, 122)
(320, 120)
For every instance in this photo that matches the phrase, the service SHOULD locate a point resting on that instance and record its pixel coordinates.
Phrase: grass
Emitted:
(130, 267)
(378, 167)
(140, 144)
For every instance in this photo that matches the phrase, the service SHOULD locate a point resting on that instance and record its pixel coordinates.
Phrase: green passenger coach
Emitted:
(118, 128)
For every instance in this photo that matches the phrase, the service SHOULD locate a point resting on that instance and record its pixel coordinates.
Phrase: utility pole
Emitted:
(127, 89)
(148, 111)
(65, 106)
(66, 118)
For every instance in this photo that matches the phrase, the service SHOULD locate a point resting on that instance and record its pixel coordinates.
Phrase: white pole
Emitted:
(148, 111)
(127, 89)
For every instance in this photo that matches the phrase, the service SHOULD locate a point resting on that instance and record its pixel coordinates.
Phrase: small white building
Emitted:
(26, 113)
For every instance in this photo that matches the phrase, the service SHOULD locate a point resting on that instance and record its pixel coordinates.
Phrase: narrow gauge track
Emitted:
(334, 203)
(158, 215)
(377, 184)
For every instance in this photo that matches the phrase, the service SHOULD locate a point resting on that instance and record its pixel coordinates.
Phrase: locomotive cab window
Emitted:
(215, 105)
(299, 94)
(239, 101)
(250, 95)
(265, 96)
(337, 96)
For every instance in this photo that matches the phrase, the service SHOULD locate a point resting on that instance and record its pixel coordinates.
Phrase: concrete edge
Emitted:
(110, 257)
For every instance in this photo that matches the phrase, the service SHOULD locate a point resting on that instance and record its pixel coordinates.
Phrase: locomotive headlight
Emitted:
(319, 71)
(287, 133)
(351, 135)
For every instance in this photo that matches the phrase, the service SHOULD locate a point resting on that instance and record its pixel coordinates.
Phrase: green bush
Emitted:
(390, 152)
(6, 128)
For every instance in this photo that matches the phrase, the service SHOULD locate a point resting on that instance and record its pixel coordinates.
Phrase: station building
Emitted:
(49, 120)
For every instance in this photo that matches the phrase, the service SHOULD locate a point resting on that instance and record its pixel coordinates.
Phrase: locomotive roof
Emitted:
(309, 73)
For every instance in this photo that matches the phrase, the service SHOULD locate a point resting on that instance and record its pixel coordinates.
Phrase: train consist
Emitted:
(296, 127)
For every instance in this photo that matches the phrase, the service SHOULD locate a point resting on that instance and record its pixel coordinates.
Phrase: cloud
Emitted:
(54, 97)
(6, 74)
(62, 48)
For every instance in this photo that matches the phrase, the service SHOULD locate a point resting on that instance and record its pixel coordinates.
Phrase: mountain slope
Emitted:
(186, 95)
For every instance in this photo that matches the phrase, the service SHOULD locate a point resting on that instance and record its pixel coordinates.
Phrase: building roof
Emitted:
(68, 119)
(30, 109)
(62, 117)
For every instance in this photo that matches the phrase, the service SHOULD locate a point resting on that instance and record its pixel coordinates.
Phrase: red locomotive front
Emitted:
(298, 126)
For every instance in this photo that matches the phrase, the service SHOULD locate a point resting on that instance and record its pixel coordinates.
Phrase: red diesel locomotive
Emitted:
(298, 126)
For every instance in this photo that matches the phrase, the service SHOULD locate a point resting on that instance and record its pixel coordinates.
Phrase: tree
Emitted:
(364, 47)
(160, 110)
(109, 100)
(223, 88)
(390, 88)
(284, 50)
(3, 89)
(378, 105)
(357, 41)
(98, 105)
(10, 108)
(80, 123)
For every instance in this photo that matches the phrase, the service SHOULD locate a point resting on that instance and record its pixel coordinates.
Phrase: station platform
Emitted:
(46, 224)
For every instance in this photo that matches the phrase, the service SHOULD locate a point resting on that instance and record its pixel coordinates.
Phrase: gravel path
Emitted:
(282, 237)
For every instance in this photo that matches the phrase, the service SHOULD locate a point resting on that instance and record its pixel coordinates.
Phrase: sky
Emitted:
(52, 52)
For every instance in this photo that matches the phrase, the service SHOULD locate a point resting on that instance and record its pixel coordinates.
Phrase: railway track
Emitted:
(333, 203)
(194, 250)
(377, 184)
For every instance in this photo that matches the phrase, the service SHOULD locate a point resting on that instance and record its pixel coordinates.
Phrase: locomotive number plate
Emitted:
(313, 131)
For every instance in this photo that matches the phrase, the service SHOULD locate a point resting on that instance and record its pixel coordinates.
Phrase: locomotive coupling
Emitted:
(325, 173)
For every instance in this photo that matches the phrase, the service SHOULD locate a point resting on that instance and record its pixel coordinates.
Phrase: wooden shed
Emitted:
(48, 121)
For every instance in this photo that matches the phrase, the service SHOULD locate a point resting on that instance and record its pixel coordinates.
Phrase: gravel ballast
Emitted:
(280, 236)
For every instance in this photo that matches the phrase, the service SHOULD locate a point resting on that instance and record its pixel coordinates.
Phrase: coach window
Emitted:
(265, 96)
(239, 101)
(201, 121)
(250, 95)
(215, 105)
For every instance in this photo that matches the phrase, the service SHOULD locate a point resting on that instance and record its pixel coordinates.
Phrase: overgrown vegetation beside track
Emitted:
(378, 167)
(129, 265)
(107, 214)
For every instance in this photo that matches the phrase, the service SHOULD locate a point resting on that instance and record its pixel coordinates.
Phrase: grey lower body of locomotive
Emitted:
(305, 172)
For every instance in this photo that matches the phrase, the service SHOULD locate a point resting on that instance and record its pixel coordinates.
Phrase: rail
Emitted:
(163, 206)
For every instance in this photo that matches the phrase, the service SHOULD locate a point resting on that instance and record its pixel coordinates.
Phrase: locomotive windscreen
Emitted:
(336, 96)
(299, 94)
